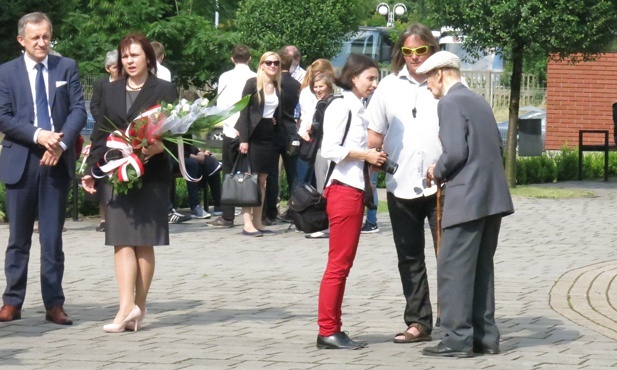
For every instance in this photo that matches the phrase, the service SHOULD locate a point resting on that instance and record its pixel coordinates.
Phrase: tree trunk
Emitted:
(515, 95)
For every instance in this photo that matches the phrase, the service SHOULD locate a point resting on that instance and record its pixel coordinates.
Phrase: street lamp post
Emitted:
(398, 9)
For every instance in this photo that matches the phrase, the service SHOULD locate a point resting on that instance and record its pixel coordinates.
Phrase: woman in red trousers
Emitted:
(348, 150)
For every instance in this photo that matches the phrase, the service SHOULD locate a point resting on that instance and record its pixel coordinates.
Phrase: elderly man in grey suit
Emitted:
(477, 197)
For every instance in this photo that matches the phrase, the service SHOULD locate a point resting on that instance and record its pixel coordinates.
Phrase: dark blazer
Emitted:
(97, 92)
(253, 112)
(17, 114)
(471, 161)
(113, 108)
(290, 95)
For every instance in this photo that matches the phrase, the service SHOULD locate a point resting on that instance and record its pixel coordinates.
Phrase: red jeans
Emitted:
(345, 211)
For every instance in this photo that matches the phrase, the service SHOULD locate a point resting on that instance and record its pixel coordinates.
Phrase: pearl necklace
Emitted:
(136, 88)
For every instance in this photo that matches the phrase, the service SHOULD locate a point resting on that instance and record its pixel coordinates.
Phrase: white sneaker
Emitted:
(198, 212)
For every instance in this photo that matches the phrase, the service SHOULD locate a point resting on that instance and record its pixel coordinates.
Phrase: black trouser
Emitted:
(272, 183)
(214, 183)
(228, 163)
(407, 217)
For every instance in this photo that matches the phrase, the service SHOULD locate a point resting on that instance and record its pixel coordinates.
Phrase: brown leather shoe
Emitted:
(9, 313)
(57, 315)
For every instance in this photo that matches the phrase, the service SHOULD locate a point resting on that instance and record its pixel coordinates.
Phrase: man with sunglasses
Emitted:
(403, 121)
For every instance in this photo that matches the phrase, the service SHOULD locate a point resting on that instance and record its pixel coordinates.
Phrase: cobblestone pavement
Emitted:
(223, 300)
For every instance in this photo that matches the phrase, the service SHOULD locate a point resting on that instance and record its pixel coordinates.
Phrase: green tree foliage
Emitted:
(90, 32)
(317, 27)
(12, 10)
(572, 30)
(195, 51)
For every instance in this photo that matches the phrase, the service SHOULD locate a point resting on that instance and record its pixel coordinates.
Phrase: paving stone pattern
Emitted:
(221, 300)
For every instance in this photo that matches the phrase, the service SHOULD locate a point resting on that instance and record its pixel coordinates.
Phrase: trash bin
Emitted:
(529, 137)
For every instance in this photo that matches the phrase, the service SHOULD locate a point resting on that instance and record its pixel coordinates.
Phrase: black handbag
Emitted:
(307, 207)
(241, 189)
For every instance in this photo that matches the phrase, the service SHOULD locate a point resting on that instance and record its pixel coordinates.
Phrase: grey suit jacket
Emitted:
(471, 161)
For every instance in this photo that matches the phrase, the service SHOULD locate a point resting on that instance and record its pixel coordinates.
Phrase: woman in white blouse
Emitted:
(345, 191)
(308, 102)
(256, 127)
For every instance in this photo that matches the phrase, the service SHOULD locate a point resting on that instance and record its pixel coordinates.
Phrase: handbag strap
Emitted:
(235, 166)
(332, 164)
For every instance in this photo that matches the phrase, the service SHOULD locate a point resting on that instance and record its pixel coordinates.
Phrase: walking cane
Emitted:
(439, 214)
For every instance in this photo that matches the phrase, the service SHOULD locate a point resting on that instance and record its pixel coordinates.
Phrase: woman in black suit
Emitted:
(257, 125)
(111, 66)
(138, 220)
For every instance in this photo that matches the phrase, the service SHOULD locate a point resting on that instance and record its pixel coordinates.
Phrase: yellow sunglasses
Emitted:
(419, 50)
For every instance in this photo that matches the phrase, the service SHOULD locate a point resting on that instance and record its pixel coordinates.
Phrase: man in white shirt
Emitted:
(296, 71)
(230, 86)
(403, 120)
(161, 71)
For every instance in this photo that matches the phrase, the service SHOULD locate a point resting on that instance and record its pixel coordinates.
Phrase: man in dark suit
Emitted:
(477, 197)
(284, 138)
(41, 115)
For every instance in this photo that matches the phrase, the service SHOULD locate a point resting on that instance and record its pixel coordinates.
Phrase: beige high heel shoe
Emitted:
(119, 328)
(136, 325)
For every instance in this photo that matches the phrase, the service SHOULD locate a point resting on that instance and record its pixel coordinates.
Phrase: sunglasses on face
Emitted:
(419, 50)
(271, 62)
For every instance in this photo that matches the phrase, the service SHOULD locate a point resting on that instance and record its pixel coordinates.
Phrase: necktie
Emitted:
(42, 107)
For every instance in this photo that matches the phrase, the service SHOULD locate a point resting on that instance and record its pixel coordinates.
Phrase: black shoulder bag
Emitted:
(307, 207)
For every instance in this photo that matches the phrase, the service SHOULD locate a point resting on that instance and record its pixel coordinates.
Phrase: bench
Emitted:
(582, 147)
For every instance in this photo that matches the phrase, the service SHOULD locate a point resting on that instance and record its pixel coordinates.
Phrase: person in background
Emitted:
(136, 221)
(111, 66)
(477, 199)
(403, 122)
(230, 86)
(370, 225)
(297, 72)
(257, 126)
(348, 149)
(161, 71)
(284, 139)
(210, 168)
(308, 101)
(37, 163)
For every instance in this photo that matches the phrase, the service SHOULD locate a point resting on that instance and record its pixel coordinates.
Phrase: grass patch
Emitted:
(549, 192)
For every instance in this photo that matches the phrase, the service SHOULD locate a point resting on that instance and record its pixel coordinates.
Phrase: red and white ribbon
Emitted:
(182, 165)
(115, 143)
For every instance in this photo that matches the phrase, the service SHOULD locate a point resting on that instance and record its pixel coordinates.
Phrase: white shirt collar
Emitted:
(30, 64)
(404, 73)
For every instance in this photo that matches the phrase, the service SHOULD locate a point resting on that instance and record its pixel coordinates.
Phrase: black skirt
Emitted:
(261, 151)
(139, 218)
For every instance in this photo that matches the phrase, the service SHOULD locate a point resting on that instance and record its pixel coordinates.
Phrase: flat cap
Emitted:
(441, 59)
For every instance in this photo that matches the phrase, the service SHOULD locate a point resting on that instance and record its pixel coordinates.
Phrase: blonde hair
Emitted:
(262, 78)
(317, 67)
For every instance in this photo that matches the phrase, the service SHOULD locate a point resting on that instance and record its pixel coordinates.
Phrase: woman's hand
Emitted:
(306, 136)
(87, 182)
(375, 157)
(244, 148)
(152, 149)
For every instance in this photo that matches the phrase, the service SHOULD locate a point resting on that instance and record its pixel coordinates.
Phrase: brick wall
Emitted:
(580, 96)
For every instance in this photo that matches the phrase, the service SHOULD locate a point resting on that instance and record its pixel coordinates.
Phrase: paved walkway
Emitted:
(223, 300)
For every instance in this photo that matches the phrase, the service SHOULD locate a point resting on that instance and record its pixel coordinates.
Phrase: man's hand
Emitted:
(49, 139)
(199, 157)
(429, 175)
(50, 158)
(87, 182)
